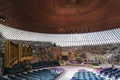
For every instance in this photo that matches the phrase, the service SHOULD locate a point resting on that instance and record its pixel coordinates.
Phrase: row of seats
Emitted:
(44, 74)
(103, 70)
(110, 73)
(87, 76)
(115, 77)
(113, 73)
(44, 64)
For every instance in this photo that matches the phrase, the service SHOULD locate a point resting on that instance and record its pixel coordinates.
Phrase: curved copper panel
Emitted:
(63, 16)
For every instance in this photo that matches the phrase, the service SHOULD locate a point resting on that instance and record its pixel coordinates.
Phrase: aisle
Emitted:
(70, 71)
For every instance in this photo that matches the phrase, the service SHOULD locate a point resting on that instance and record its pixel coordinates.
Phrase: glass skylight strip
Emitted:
(95, 38)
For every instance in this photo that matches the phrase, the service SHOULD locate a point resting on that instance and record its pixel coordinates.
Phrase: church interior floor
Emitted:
(70, 71)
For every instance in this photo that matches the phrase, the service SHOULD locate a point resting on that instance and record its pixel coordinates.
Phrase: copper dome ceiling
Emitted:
(61, 16)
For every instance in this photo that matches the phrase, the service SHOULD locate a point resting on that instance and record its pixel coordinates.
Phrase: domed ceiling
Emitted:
(61, 16)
